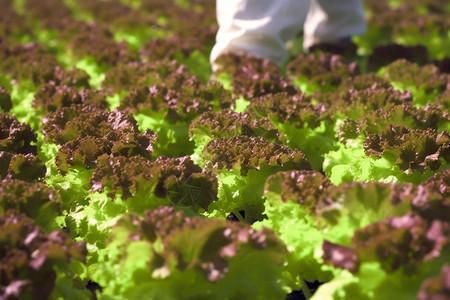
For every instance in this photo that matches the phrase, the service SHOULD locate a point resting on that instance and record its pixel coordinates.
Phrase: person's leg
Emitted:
(258, 27)
(332, 21)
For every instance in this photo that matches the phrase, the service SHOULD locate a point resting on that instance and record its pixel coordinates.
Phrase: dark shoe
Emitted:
(343, 47)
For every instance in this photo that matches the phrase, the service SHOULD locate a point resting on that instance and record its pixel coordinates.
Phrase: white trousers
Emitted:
(262, 27)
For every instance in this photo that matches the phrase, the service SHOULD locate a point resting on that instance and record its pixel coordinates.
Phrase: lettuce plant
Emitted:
(36, 265)
(168, 255)
(242, 170)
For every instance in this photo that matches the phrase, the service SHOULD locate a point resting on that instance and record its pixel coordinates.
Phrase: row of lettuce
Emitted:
(122, 176)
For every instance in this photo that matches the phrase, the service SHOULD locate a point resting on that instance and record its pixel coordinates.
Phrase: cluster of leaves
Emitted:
(115, 15)
(96, 44)
(91, 40)
(320, 71)
(178, 180)
(30, 62)
(353, 104)
(124, 77)
(413, 150)
(5, 100)
(16, 137)
(402, 143)
(409, 247)
(436, 287)
(250, 153)
(168, 109)
(175, 47)
(52, 96)
(397, 231)
(26, 167)
(242, 171)
(179, 15)
(325, 211)
(292, 195)
(33, 264)
(409, 241)
(252, 76)
(35, 200)
(302, 124)
(432, 197)
(226, 124)
(177, 105)
(425, 83)
(135, 184)
(200, 257)
(76, 43)
(88, 134)
(362, 82)
(21, 173)
(12, 24)
(397, 248)
(49, 14)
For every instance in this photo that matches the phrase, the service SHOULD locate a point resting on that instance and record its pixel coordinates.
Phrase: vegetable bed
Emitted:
(129, 171)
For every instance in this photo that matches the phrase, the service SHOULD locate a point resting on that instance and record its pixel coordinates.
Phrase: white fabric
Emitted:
(262, 27)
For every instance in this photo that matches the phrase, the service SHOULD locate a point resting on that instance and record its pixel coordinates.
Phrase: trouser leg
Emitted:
(258, 27)
(332, 20)
(262, 27)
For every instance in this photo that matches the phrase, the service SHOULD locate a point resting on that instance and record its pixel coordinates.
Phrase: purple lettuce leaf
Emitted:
(28, 257)
(436, 287)
(16, 137)
(412, 150)
(5, 100)
(25, 167)
(247, 153)
(52, 96)
(176, 181)
(36, 200)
